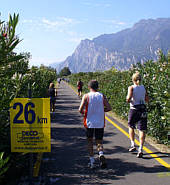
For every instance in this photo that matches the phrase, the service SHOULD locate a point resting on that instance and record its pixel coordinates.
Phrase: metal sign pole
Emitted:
(30, 127)
(31, 154)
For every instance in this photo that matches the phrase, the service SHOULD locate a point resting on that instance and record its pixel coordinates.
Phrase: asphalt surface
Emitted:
(67, 162)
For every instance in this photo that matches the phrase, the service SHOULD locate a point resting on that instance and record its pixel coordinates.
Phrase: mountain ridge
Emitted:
(122, 49)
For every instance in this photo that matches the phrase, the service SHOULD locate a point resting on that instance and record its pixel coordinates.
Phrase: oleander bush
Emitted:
(114, 84)
(15, 79)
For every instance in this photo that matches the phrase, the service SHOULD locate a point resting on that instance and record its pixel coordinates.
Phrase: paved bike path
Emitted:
(67, 162)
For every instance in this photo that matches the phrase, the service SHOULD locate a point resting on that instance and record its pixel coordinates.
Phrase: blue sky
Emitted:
(52, 29)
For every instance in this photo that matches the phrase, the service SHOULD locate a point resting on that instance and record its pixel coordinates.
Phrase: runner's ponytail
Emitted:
(136, 77)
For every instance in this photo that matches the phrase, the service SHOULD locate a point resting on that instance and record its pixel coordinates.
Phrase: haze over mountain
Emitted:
(137, 44)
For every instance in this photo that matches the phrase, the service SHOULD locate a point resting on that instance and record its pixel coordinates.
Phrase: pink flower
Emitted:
(154, 78)
(4, 34)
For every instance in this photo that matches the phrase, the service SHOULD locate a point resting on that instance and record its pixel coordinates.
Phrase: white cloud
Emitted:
(37, 61)
(27, 21)
(59, 22)
(114, 22)
(99, 4)
(106, 5)
(50, 23)
(75, 40)
(75, 37)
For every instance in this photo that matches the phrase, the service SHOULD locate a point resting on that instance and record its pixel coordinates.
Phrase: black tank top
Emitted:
(51, 92)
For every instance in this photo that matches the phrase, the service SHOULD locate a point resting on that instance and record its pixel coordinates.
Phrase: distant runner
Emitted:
(95, 104)
(80, 87)
(52, 94)
(59, 80)
(137, 96)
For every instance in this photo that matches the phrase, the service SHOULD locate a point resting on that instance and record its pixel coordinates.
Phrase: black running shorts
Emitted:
(80, 90)
(98, 132)
(139, 117)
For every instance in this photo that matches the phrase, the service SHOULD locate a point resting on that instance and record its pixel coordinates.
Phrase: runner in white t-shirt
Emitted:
(137, 96)
(93, 106)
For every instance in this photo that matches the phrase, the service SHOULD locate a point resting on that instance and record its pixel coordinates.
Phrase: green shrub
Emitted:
(114, 84)
(15, 79)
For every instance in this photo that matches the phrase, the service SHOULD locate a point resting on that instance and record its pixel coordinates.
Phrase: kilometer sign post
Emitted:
(30, 125)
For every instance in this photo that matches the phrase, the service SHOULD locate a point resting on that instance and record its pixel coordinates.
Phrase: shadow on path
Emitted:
(69, 158)
(67, 162)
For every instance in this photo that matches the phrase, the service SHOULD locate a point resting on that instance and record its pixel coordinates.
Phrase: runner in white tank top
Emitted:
(95, 111)
(93, 106)
(137, 96)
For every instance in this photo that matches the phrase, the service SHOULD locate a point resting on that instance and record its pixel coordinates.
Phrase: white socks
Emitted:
(92, 160)
(132, 143)
(140, 148)
(100, 153)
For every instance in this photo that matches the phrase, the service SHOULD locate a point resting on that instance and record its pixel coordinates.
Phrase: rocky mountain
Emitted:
(137, 44)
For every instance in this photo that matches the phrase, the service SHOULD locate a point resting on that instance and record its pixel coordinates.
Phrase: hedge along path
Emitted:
(147, 150)
(37, 164)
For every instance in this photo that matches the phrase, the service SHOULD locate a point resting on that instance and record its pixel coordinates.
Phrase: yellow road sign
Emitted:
(30, 125)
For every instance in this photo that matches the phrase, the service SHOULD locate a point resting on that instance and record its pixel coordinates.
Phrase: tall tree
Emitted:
(65, 72)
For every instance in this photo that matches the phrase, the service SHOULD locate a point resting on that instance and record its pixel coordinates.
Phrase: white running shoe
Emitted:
(91, 165)
(132, 149)
(139, 155)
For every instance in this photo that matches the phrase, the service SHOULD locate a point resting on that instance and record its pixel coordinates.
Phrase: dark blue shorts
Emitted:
(138, 117)
(52, 99)
(98, 132)
(80, 90)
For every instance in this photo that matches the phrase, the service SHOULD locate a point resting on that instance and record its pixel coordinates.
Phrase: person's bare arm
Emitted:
(82, 104)
(55, 92)
(107, 106)
(130, 93)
